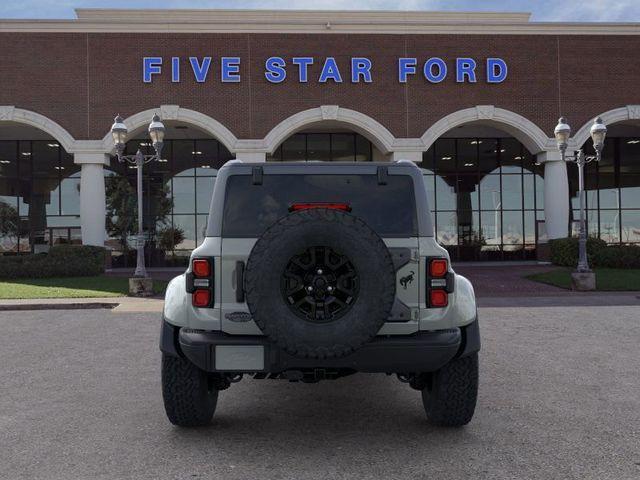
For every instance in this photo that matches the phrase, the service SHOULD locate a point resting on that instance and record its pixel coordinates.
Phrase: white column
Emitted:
(406, 155)
(251, 156)
(92, 197)
(556, 194)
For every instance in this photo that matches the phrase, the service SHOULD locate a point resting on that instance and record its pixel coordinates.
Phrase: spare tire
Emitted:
(320, 283)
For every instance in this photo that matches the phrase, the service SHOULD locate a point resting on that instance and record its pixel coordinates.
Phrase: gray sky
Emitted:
(543, 10)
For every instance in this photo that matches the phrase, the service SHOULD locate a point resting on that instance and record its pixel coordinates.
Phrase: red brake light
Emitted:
(295, 207)
(201, 298)
(439, 298)
(201, 268)
(438, 268)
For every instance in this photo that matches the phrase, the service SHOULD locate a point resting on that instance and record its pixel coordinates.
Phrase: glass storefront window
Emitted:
(318, 146)
(8, 159)
(182, 157)
(490, 198)
(491, 213)
(512, 192)
(186, 175)
(294, 149)
(204, 190)
(337, 147)
(529, 191)
(630, 223)
(70, 196)
(610, 226)
(467, 192)
(445, 195)
(530, 227)
(39, 195)
(612, 189)
(364, 149)
(445, 156)
(447, 228)
(184, 195)
(187, 223)
(487, 159)
(343, 148)
(511, 156)
(512, 229)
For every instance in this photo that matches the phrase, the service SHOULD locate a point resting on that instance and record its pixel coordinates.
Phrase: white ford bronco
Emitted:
(315, 271)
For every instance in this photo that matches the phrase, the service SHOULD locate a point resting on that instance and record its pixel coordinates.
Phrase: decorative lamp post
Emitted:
(583, 278)
(156, 132)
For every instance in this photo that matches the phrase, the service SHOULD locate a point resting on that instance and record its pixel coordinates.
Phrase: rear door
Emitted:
(388, 207)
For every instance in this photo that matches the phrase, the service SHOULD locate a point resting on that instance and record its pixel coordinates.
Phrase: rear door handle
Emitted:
(240, 281)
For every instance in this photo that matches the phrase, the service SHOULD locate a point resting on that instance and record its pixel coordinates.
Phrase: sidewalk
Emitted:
(496, 285)
(117, 304)
(507, 279)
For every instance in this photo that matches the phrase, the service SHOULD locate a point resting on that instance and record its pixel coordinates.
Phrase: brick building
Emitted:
(472, 98)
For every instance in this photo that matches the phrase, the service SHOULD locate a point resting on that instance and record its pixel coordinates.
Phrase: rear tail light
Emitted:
(199, 282)
(201, 298)
(438, 298)
(438, 268)
(440, 282)
(296, 207)
(201, 268)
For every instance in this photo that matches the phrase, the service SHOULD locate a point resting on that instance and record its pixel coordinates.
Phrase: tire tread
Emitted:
(188, 400)
(451, 400)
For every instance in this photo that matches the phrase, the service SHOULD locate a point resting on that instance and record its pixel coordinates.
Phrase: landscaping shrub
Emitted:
(618, 256)
(61, 261)
(564, 251)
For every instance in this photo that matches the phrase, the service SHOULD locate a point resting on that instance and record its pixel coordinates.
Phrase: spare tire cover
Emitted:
(320, 283)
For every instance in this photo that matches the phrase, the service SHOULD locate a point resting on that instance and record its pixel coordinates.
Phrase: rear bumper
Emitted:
(219, 352)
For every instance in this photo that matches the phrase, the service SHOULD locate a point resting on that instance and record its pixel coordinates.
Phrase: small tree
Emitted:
(122, 209)
(9, 221)
(169, 237)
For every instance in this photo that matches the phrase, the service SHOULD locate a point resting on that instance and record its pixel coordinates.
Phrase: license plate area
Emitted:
(245, 358)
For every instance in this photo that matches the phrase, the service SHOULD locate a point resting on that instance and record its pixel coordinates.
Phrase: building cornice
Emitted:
(312, 22)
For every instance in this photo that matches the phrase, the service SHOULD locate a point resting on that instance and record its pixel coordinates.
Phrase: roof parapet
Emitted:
(257, 17)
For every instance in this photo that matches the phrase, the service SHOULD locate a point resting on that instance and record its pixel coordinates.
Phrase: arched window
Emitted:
(487, 196)
(39, 194)
(185, 178)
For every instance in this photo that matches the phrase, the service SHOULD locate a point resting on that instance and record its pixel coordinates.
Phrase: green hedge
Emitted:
(618, 256)
(61, 261)
(564, 252)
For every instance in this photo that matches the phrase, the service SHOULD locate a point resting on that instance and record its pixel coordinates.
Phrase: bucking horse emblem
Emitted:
(405, 281)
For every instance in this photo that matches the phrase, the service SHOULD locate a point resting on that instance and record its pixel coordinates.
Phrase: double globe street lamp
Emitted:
(119, 133)
(583, 278)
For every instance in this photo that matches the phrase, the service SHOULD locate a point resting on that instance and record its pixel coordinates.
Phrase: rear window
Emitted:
(388, 209)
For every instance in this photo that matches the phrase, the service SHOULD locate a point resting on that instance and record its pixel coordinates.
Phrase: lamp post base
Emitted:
(141, 287)
(583, 281)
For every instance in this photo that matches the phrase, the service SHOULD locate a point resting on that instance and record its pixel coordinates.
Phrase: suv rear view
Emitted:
(317, 271)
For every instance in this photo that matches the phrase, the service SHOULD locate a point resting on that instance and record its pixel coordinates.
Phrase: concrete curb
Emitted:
(57, 306)
(114, 304)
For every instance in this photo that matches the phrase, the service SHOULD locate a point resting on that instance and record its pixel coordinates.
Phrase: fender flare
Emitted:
(176, 306)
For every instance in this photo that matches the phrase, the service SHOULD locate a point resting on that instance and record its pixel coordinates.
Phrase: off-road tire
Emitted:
(189, 394)
(292, 235)
(450, 395)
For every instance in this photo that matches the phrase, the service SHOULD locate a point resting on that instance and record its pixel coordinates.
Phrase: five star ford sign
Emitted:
(361, 69)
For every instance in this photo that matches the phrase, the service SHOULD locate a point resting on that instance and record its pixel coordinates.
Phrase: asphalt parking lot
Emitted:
(559, 398)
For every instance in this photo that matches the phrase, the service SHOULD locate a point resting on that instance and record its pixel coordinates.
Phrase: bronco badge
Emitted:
(239, 317)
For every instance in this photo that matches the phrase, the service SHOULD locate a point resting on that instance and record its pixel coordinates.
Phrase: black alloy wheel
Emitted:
(320, 285)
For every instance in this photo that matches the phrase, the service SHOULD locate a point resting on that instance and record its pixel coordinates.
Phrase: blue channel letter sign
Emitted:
(325, 70)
